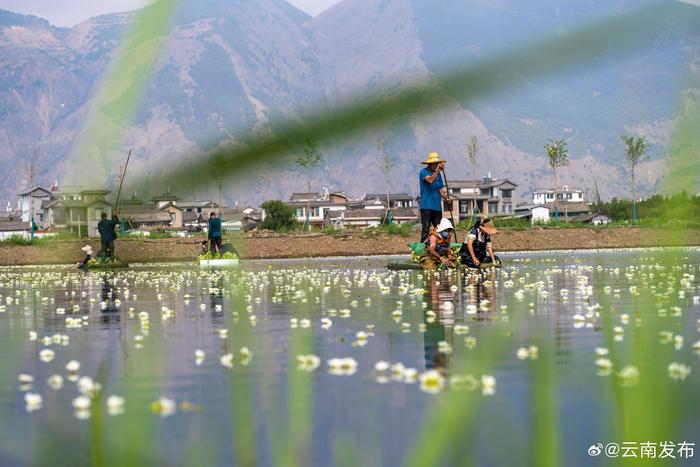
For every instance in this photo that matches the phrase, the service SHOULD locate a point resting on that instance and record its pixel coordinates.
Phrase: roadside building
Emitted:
(76, 208)
(491, 196)
(564, 194)
(593, 218)
(32, 201)
(10, 229)
(363, 217)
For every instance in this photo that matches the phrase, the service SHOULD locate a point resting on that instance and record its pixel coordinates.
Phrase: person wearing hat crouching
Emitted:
(477, 249)
(87, 249)
(438, 252)
(432, 192)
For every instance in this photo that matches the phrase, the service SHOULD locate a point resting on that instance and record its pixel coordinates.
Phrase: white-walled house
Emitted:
(33, 201)
(563, 195)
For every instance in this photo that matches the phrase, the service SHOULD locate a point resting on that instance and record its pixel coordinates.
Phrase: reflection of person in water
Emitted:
(216, 297)
(476, 291)
(110, 313)
(438, 328)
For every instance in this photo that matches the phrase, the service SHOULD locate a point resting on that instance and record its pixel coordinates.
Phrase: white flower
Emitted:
(601, 351)
(461, 329)
(25, 379)
(444, 347)
(629, 376)
(488, 385)
(432, 382)
(326, 323)
(522, 353)
(308, 362)
(33, 401)
(342, 366)
(227, 360)
(604, 365)
(410, 375)
(88, 387)
(198, 357)
(305, 323)
(115, 405)
(381, 366)
(73, 366)
(33, 335)
(82, 403)
(55, 382)
(46, 355)
(163, 407)
(678, 371)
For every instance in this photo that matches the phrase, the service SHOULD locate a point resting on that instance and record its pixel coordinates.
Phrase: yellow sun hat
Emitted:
(433, 158)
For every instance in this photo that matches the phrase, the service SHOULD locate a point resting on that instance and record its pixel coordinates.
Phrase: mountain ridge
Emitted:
(230, 69)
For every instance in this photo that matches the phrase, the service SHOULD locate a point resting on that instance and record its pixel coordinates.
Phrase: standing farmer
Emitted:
(107, 235)
(214, 233)
(432, 192)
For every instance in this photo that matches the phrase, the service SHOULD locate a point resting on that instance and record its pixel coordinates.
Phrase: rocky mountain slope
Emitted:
(230, 67)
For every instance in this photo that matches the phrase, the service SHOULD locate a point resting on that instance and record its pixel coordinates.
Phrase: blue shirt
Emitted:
(430, 192)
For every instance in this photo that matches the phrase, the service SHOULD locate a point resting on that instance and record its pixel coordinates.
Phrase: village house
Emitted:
(77, 208)
(32, 201)
(401, 200)
(494, 197)
(363, 217)
(15, 228)
(318, 206)
(563, 195)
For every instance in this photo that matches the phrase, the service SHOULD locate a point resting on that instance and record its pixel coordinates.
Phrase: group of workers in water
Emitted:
(436, 231)
(106, 228)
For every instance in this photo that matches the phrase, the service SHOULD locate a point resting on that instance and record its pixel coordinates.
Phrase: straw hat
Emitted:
(445, 224)
(488, 227)
(433, 158)
(87, 249)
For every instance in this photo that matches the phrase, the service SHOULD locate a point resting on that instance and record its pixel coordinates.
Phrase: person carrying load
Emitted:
(477, 249)
(438, 251)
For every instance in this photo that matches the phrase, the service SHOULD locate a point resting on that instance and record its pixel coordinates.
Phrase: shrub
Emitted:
(278, 216)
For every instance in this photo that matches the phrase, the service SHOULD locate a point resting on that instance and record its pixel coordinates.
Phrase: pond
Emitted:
(553, 359)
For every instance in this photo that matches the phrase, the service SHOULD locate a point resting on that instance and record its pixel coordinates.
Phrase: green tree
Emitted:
(473, 150)
(636, 149)
(386, 164)
(557, 156)
(278, 216)
(309, 160)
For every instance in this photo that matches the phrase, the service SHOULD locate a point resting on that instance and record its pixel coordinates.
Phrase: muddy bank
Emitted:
(262, 245)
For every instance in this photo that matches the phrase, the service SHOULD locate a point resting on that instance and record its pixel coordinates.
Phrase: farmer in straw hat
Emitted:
(438, 249)
(432, 190)
(477, 247)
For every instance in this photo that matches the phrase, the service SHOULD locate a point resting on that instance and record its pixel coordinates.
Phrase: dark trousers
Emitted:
(107, 250)
(215, 245)
(428, 218)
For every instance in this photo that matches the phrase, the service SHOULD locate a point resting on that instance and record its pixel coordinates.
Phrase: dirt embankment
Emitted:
(263, 245)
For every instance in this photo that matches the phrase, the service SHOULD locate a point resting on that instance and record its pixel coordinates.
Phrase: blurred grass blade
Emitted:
(121, 93)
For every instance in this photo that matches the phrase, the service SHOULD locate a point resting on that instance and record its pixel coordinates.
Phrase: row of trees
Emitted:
(556, 150)
(558, 156)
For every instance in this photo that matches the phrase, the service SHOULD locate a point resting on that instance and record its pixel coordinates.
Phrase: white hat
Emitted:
(87, 249)
(444, 225)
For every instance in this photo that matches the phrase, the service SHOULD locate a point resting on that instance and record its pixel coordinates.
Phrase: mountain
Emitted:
(228, 68)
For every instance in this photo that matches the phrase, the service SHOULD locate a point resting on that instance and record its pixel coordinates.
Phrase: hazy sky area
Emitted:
(70, 12)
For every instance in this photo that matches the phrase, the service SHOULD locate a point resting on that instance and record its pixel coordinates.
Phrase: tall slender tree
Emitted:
(386, 164)
(473, 151)
(309, 160)
(636, 149)
(557, 156)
